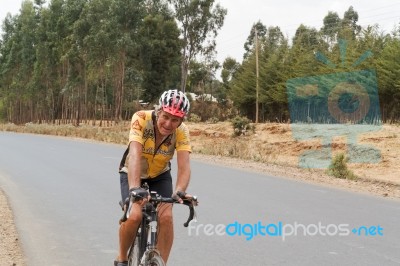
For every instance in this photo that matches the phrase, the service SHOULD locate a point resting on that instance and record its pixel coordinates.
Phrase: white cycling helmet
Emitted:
(175, 103)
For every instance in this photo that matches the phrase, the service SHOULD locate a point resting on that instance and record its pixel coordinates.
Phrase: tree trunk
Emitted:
(184, 74)
(119, 94)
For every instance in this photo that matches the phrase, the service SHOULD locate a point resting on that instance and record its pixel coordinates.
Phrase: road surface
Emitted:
(64, 194)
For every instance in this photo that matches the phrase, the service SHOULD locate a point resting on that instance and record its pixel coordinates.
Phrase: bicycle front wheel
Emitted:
(134, 253)
(138, 247)
(156, 260)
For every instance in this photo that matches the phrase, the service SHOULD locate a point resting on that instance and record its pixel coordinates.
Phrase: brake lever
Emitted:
(192, 203)
(194, 214)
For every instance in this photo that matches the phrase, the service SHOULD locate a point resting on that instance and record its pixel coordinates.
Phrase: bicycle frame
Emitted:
(150, 226)
(146, 238)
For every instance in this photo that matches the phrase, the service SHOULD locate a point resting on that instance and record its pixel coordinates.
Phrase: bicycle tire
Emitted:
(155, 260)
(134, 253)
(138, 247)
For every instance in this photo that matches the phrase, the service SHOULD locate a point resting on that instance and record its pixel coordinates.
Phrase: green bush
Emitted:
(194, 118)
(338, 168)
(212, 120)
(241, 125)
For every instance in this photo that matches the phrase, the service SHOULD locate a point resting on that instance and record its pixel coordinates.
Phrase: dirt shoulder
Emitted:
(10, 248)
(312, 176)
(271, 149)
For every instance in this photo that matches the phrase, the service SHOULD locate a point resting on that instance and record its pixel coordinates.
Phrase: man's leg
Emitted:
(127, 231)
(165, 230)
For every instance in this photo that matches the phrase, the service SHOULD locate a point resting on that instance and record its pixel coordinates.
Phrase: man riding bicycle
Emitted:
(153, 138)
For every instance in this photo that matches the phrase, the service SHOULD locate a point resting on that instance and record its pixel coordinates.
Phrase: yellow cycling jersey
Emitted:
(155, 162)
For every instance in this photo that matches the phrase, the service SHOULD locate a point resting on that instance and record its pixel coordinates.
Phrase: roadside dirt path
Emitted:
(10, 249)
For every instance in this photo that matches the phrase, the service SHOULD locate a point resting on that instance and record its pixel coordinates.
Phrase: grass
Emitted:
(338, 168)
(113, 134)
(242, 147)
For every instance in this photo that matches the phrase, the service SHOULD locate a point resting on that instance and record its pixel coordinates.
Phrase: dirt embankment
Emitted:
(273, 149)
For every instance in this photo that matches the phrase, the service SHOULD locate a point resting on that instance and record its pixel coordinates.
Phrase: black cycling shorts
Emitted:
(162, 184)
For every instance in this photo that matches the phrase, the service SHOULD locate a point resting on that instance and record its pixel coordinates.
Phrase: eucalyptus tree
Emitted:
(127, 17)
(306, 43)
(272, 55)
(388, 68)
(18, 58)
(159, 54)
(93, 43)
(229, 67)
(48, 70)
(199, 22)
(273, 75)
(198, 77)
(243, 84)
(243, 87)
(249, 45)
(349, 27)
(331, 27)
(7, 69)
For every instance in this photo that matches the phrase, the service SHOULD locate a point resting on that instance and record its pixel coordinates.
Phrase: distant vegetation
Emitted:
(74, 61)
(109, 132)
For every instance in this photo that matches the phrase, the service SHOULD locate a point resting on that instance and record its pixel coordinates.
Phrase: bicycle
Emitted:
(143, 251)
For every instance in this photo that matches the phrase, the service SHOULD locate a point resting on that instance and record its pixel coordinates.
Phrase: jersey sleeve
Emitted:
(138, 123)
(183, 139)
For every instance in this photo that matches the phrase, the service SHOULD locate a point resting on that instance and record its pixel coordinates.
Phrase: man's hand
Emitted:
(139, 193)
(179, 196)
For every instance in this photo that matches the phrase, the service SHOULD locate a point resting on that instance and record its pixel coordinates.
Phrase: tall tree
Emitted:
(331, 27)
(7, 69)
(199, 22)
(261, 30)
(20, 63)
(159, 53)
(389, 82)
(229, 68)
(128, 16)
(349, 28)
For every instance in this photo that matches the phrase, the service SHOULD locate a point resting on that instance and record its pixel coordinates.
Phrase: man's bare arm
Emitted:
(135, 154)
(183, 179)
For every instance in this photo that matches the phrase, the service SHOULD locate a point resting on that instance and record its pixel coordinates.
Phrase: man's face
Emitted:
(167, 123)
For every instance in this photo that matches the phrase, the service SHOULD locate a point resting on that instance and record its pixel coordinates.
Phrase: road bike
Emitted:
(143, 251)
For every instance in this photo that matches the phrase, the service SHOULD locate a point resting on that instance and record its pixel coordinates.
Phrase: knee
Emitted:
(166, 217)
(135, 214)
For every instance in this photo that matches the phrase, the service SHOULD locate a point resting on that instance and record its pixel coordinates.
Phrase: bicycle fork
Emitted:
(151, 239)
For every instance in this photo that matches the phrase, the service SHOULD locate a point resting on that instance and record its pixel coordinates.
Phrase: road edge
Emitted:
(364, 186)
(11, 252)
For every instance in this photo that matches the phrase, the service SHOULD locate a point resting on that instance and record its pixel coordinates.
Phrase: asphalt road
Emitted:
(64, 194)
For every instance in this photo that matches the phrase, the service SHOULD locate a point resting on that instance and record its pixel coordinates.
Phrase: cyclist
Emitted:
(153, 138)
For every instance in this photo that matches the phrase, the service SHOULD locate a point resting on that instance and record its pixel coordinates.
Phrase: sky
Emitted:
(287, 14)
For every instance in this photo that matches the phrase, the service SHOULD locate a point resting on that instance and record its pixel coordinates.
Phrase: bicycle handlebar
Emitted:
(190, 202)
(155, 198)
